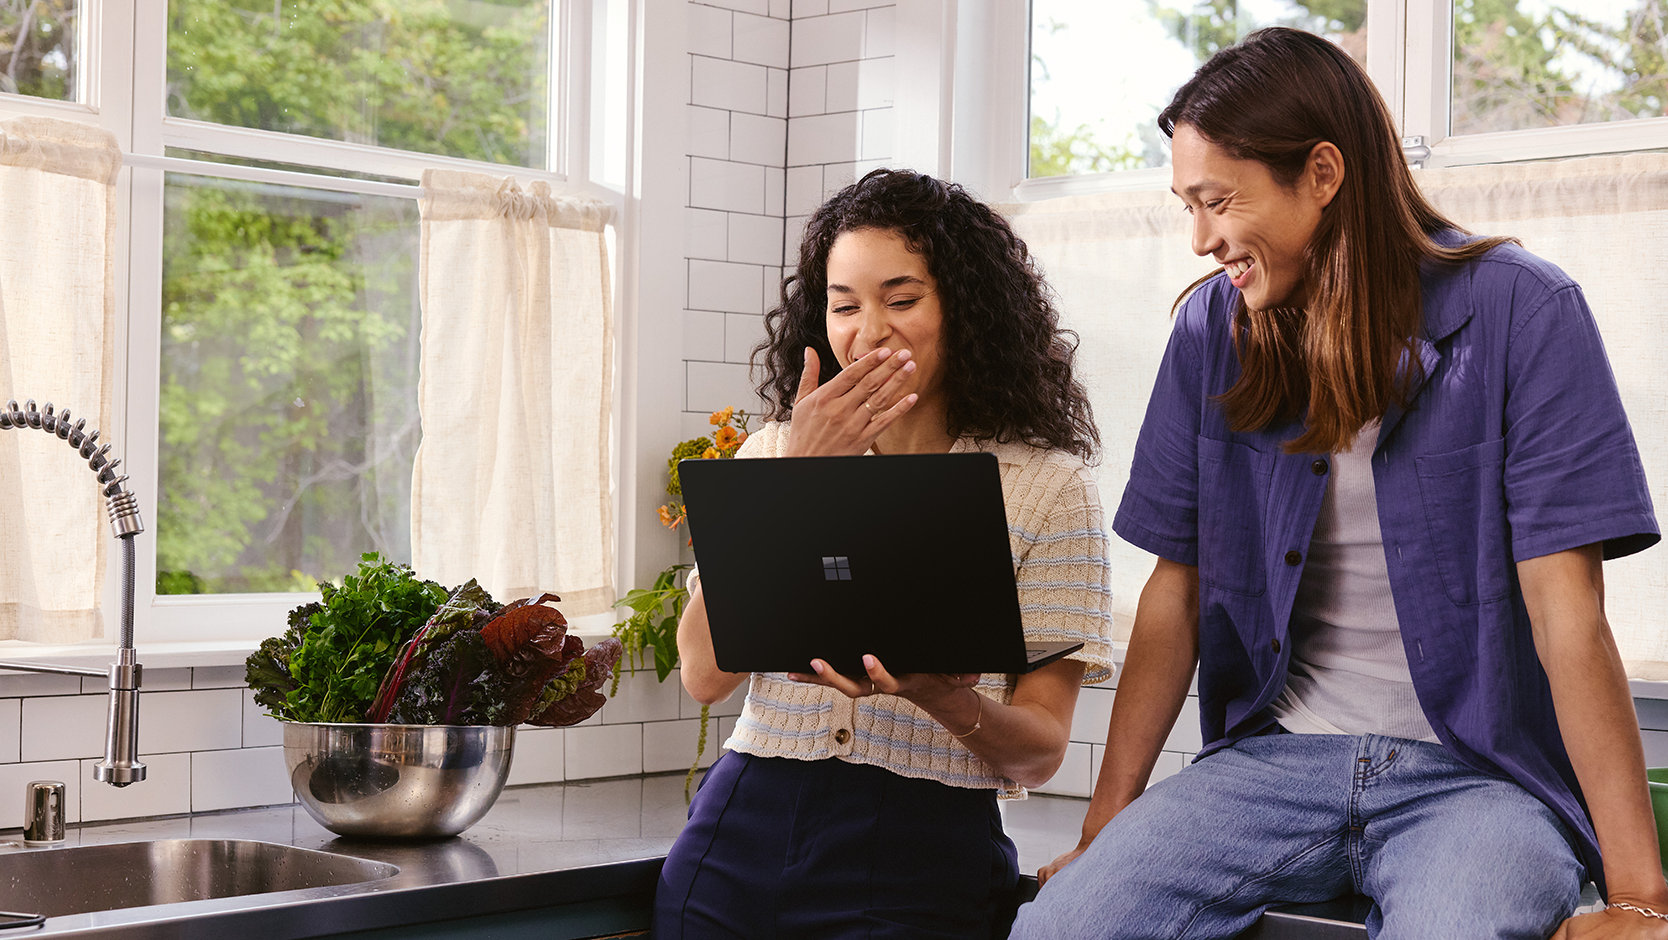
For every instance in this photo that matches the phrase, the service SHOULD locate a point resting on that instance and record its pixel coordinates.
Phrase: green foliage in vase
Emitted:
(652, 621)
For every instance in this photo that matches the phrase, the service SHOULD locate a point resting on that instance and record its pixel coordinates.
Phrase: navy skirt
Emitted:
(804, 849)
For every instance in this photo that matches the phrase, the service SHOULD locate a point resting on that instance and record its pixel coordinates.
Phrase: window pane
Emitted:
(459, 78)
(38, 55)
(1529, 63)
(1102, 70)
(289, 371)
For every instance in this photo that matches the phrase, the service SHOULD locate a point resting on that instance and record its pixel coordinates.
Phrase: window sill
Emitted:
(172, 653)
(154, 656)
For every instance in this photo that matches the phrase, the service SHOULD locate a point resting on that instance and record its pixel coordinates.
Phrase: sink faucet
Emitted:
(121, 765)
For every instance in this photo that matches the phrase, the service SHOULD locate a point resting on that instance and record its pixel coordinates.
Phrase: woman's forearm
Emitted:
(1025, 740)
(698, 668)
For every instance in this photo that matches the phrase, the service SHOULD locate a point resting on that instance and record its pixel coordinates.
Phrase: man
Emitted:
(1381, 468)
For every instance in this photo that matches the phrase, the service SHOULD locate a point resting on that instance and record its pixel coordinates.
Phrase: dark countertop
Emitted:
(539, 846)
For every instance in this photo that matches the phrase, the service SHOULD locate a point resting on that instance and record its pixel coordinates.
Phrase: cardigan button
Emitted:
(842, 736)
(1294, 557)
(1275, 644)
(1319, 466)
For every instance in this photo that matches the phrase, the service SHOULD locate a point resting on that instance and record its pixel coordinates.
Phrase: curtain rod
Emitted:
(281, 177)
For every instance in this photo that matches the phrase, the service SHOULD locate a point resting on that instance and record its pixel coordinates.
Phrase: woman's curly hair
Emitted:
(1007, 362)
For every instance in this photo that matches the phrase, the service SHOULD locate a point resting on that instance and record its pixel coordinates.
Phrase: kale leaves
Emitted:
(386, 646)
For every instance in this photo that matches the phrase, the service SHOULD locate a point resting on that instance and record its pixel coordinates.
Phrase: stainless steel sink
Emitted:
(85, 878)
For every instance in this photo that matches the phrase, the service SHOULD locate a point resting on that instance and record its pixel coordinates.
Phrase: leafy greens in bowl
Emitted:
(387, 646)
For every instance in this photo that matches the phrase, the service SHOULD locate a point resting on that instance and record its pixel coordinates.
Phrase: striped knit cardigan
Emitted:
(1058, 539)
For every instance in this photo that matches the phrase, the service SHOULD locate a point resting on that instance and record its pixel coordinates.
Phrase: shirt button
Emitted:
(842, 736)
(1275, 644)
(1319, 467)
(1294, 557)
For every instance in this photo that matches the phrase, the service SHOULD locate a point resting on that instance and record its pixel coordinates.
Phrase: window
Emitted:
(40, 49)
(288, 418)
(269, 230)
(1101, 72)
(1475, 80)
(461, 78)
(1532, 64)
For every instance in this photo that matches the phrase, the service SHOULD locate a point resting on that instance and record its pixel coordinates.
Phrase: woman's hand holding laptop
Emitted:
(923, 688)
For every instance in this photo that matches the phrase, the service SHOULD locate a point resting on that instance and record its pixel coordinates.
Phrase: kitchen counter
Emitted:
(594, 848)
(587, 853)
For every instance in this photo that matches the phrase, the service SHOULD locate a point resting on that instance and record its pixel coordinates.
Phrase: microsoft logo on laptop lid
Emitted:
(836, 568)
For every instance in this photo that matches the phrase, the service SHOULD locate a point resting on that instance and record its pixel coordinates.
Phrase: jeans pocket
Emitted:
(1463, 493)
(1234, 484)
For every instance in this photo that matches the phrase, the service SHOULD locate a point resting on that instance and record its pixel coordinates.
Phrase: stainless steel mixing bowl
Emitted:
(397, 781)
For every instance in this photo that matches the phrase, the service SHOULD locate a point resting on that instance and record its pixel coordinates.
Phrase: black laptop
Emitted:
(905, 557)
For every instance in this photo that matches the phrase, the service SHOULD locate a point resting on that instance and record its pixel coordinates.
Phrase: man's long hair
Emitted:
(1351, 352)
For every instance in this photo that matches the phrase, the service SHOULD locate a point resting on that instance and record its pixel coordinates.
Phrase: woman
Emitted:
(916, 323)
(1381, 467)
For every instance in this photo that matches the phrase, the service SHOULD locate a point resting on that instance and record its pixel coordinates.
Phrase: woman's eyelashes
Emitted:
(896, 303)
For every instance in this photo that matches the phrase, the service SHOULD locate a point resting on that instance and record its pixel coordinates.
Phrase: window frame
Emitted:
(122, 88)
(1411, 69)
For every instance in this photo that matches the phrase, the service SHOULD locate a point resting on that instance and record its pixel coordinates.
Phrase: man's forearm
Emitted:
(1157, 671)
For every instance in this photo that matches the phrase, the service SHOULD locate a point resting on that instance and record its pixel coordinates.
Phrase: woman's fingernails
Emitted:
(817, 666)
(869, 662)
(908, 367)
(903, 354)
(882, 353)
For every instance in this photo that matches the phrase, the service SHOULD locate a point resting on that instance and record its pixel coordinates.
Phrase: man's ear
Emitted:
(1324, 172)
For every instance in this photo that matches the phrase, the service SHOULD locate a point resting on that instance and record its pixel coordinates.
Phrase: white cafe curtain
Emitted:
(511, 481)
(1119, 260)
(57, 310)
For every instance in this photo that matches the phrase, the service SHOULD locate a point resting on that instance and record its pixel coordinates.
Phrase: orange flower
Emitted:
(722, 418)
(710, 454)
(666, 517)
(725, 438)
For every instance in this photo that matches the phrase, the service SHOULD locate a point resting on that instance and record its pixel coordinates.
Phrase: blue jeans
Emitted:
(1443, 851)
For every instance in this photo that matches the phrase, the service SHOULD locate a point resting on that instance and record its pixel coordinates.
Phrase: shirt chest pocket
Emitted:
(1233, 498)
(1463, 493)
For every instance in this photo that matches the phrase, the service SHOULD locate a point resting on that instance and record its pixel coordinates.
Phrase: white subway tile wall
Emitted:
(15, 777)
(779, 90)
(1077, 775)
(165, 791)
(208, 746)
(62, 727)
(670, 745)
(11, 730)
(538, 757)
(228, 779)
(603, 750)
(259, 728)
(715, 385)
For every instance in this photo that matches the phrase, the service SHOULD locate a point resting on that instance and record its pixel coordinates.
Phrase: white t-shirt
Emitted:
(1348, 672)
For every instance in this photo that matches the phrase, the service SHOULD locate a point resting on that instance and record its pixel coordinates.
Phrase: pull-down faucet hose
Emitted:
(120, 766)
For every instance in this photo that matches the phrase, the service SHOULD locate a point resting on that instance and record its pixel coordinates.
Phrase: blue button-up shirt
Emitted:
(1514, 446)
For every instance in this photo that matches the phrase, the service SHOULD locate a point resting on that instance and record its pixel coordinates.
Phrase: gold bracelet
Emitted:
(977, 721)
(1639, 910)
